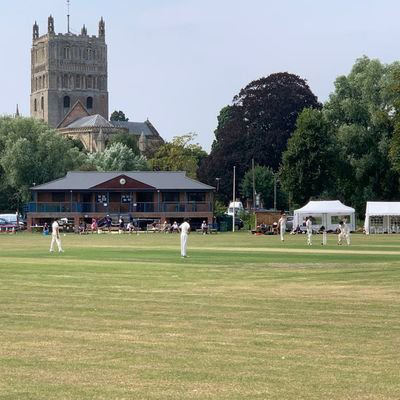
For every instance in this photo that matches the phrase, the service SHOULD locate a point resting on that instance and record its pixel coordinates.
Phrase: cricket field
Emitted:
(244, 317)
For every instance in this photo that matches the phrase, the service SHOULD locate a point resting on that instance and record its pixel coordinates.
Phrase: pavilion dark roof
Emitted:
(160, 180)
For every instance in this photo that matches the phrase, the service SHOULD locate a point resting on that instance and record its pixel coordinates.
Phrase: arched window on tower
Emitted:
(67, 102)
(42, 103)
(35, 105)
(40, 82)
(89, 103)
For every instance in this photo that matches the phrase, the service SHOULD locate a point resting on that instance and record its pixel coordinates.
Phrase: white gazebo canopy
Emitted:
(382, 216)
(325, 212)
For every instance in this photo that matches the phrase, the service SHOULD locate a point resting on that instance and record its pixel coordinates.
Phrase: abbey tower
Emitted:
(66, 68)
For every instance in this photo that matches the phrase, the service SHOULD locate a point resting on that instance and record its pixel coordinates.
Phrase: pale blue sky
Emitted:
(179, 62)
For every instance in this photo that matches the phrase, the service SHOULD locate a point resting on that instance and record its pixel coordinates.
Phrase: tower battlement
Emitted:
(65, 68)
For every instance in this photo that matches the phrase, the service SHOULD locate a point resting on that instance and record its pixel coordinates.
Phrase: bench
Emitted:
(209, 231)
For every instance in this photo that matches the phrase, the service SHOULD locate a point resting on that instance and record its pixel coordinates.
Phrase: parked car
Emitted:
(289, 223)
(9, 226)
(13, 219)
(237, 205)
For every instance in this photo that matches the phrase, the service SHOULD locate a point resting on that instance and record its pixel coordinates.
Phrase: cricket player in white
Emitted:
(309, 231)
(184, 229)
(282, 226)
(55, 237)
(341, 233)
(346, 232)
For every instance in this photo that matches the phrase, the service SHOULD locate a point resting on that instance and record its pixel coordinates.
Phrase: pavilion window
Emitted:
(196, 196)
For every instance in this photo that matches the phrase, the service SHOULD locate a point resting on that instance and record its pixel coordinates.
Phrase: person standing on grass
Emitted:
(346, 231)
(55, 237)
(204, 228)
(282, 226)
(341, 233)
(309, 231)
(324, 236)
(184, 229)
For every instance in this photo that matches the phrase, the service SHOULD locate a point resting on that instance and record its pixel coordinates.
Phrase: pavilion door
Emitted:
(115, 202)
(86, 202)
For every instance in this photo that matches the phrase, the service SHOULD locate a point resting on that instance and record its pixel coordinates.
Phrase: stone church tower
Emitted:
(67, 68)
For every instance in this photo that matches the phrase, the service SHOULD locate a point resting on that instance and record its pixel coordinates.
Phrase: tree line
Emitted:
(347, 148)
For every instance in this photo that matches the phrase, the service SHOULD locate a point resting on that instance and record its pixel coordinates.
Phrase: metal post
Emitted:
(217, 179)
(233, 197)
(254, 186)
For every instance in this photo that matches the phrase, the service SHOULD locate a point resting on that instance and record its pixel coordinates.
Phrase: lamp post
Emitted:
(217, 180)
(233, 199)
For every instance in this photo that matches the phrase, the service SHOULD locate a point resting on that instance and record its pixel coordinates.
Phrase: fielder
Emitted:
(184, 229)
(309, 231)
(282, 226)
(55, 237)
(346, 232)
(343, 233)
(324, 236)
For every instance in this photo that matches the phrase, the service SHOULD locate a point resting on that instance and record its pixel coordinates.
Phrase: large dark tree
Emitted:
(257, 125)
(270, 108)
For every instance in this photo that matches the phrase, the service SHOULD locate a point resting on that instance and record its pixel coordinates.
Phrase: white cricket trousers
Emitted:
(324, 238)
(56, 239)
(282, 233)
(309, 239)
(184, 238)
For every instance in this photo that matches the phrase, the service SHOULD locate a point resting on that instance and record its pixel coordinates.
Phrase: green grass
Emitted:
(245, 317)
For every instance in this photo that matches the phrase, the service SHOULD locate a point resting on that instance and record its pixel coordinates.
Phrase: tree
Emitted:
(264, 184)
(126, 139)
(118, 116)
(181, 154)
(257, 125)
(309, 163)
(30, 153)
(393, 93)
(361, 111)
(116, 157)
(270, 108)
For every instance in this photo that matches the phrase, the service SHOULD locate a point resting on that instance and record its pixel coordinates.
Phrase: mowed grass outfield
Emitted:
(245, 317)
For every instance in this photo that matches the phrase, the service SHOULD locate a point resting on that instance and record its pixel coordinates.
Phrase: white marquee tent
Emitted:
(382, 216)
(325, 212)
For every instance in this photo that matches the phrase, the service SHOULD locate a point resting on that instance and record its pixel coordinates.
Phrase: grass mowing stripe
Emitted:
(124, 317)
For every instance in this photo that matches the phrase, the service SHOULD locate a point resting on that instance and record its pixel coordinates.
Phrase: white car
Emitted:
(237, 205)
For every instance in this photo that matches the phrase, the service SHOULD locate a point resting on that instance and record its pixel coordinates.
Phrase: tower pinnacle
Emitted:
(102, 28)
(35, 31)
(50, 24)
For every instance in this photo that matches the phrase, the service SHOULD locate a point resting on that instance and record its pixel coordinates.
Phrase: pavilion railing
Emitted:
(118, 208)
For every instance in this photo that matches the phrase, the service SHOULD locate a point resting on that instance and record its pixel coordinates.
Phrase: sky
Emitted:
(178, 62)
